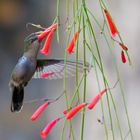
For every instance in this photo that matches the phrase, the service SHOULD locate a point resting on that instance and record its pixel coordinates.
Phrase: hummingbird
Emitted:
(29, 66)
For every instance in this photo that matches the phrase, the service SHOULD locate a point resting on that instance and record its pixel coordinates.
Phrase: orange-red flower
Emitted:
(123, 57)
(48, 128)
(38, 112)
(46, 47)
(46, 32)
(111, 25)
(73, 111)
(96, 99)
(72, 43)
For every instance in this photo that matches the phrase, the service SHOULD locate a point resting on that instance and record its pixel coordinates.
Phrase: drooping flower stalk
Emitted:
(118, 75)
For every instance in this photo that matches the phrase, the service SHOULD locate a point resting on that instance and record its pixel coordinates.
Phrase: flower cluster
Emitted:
(114, 33)
(49, 34)
(68, 113)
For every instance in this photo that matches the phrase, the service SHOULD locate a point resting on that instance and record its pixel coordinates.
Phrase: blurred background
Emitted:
(13, 18)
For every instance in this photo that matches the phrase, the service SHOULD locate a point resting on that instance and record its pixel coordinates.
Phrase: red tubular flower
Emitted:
(96, 99)
(123, 47)
(73, 111)
(46, 32)
(45, 49)
(48, 128)
(111, 25)
(47, 74)
(72, 42)
(123, 57)
(38, 112)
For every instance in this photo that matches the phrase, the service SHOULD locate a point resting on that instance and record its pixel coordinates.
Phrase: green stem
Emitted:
(96, 61)
(98, 52)
(58, 20)
(98, 64)
(66, 98)
(84, 62)
(121, 88)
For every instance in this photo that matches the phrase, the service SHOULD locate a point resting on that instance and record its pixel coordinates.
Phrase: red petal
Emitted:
(72, 42)
(46, 47)
(123, 57)
(43, 35)
(111, 25)
(96, 99)
(46, 32)
(38, 112)
(75, 110)
(48, 128)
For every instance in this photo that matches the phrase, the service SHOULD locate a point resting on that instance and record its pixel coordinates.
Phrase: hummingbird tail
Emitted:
(17, 99)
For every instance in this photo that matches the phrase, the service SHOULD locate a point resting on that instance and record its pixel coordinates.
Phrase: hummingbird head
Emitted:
(31, 45)
(29, 40)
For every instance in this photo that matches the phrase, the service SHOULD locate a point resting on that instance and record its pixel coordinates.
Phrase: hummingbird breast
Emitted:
(24, 70)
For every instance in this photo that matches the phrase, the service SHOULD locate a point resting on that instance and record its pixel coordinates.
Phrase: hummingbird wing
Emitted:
(55, 69)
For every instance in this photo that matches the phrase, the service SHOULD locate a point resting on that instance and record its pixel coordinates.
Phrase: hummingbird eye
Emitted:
(33, 39)
(30, 39)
